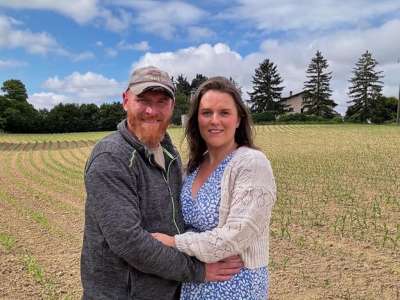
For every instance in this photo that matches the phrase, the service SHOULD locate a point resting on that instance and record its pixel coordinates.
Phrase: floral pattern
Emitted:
(201, 214)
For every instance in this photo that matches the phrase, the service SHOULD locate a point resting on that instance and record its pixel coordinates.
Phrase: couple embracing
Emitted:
(151, 233)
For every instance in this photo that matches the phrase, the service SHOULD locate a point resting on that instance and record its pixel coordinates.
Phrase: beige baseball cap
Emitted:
(147, 78)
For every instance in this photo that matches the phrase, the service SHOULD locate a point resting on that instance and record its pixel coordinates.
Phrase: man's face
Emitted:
(148, 115)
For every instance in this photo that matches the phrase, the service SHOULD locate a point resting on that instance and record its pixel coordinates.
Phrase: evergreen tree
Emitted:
(237, 85)
(199, 79)
(267, 89)
(317, 93)
(182, 86)
(365, 89)
(182, 98)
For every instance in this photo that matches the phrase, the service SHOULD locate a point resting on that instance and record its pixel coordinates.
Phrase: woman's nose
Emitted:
(214, 118)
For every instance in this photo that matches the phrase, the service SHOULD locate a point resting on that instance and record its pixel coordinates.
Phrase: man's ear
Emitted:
(125, 100)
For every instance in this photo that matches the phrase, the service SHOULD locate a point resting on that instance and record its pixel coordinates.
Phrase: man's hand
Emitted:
(224, 269)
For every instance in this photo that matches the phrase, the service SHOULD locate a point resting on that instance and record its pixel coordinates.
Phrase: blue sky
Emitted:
(83, 50)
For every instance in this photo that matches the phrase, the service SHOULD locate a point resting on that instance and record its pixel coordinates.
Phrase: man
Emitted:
(133, 179)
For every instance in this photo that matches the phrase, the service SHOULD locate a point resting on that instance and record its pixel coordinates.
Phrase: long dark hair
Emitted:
(243, 134)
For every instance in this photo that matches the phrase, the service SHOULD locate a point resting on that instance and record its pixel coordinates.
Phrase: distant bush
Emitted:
(263, 117)
(304, 118)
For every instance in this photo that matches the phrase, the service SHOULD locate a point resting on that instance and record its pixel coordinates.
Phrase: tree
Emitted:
(199, 79)
(182, 86)
(14, 89)
(181, 107)
(16, 113)
(385, 110)
(89, 117)
(365, 89)
(237, 85)
(267, 89)
(64, 118)
(182, 99)
(110, 114)
(317, 93)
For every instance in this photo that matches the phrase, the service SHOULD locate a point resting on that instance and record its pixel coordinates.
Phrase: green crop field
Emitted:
(335, 231)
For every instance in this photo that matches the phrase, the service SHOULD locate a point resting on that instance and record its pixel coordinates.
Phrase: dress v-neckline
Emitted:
(194, 196)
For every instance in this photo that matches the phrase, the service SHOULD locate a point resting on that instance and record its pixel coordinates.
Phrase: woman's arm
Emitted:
(252, 198)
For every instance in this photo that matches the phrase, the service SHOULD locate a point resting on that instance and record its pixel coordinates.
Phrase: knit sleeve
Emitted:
(253, 194)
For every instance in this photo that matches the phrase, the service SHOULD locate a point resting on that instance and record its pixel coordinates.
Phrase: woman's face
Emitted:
(218, 119)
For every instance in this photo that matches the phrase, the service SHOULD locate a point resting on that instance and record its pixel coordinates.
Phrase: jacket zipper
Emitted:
(166, 179)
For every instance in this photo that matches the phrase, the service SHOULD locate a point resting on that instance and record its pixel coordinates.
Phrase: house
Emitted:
(294, 103)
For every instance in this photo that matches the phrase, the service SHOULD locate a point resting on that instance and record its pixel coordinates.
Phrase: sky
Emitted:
(82, 51)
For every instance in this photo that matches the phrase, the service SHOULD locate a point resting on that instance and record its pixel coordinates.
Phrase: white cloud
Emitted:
(11, 63)
(158, 17)
(81, 11)
(37, 43)
(342, 49)
(163, 18)
(113, 22)
(34, 42)
(270, 15)
(111, 52)
(197, 33)
(99, 44)
(78, 88)
(47, 100)
(82, 56)
(89, 87)
(206, 59)
(141, 46)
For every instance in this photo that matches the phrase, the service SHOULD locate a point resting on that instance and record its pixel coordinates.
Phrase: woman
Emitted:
(227, 196)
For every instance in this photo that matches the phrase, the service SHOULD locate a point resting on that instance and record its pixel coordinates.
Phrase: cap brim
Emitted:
(139, 88)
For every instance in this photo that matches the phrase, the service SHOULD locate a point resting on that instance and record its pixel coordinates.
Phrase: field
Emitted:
(335, 231)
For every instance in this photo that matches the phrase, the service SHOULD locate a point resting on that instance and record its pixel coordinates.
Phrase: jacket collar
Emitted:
(141, 148)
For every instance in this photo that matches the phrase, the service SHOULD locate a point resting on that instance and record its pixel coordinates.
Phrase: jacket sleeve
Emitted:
(113, 200)
(252, 196)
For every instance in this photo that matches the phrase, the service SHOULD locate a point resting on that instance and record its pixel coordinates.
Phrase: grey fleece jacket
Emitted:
(129, 196)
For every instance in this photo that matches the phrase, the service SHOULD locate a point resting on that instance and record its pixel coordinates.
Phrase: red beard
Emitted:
(150, 134)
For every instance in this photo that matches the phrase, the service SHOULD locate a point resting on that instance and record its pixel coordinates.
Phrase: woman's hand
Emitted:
(166, 239)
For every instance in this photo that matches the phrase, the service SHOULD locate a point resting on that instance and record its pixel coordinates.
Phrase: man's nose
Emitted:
(149, 109)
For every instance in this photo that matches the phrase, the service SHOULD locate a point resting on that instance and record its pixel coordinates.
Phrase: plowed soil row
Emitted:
(46, 224)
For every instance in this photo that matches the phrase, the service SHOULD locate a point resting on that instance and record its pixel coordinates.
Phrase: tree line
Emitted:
(17, 115)
(367, 104)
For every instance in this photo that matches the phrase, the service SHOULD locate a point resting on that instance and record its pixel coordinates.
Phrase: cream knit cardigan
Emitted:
(248, 192)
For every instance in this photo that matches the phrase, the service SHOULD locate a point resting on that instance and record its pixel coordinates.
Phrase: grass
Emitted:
(7, 241)
(34, 268)
(334, 227)
(38, 274)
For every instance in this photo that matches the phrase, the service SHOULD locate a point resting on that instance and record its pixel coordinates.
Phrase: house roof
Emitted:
(290, 97)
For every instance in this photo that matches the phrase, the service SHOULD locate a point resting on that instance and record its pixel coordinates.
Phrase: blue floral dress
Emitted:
(201, 214)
